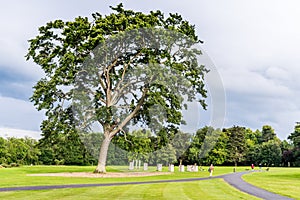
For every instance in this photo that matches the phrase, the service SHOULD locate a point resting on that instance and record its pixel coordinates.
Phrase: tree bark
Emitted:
(110, 131)
(101, 167)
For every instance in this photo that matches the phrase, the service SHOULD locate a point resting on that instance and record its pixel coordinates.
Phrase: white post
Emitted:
(145, 166)
(136, 164)
(131, 165)
(139, 164)
(196, 169)
(181, 168)
(159, 167)
(171, 168)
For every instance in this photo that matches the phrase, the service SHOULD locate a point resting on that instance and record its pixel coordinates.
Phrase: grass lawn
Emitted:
(208, 189)
(12, 177)
(284, 181)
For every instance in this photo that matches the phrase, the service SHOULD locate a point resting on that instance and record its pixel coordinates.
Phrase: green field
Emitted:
(11, 177)
(284, 181)
(211, 189)
(206, 189)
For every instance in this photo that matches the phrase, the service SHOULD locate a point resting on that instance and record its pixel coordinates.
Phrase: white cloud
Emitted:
(254, 44)
(18, 133)
(19, 114)
(254, 112)
(277, 73)
(248, 82)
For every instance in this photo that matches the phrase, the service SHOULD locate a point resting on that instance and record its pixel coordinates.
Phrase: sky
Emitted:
(254, 46)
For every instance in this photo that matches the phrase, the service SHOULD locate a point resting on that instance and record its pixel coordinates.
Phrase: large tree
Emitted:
(295, 139)
(267, 134)
(18, 151)
(270, 153)
(117, 70)
(295, 136)
(236, 145)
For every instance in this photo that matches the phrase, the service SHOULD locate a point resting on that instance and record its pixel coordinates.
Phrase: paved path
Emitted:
(99, 184)
(233, 179)
(236, 181)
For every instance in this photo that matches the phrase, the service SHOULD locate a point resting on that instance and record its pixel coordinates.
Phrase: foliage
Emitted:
(236, 145)
(266, 149)
(267, 134)
(295, 138)
(63, 148)
(181, 142)
(138, 143)
(166, 155)
(270, 153)
(18, 151)
(218, 155)
(83, 149)
(206, 147)
(116, 155)
(62, 48)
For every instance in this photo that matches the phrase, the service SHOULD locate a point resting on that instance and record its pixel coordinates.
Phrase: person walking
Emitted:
(252, 167)
(211, 170)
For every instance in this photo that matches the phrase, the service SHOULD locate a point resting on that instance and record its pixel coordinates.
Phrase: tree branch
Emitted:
(131, 115)
(117, 88)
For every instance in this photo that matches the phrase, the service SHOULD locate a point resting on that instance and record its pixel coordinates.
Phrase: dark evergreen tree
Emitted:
(267, 134)
(236, 146)
(295, 139)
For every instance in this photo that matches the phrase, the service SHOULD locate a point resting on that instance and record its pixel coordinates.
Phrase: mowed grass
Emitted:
(207, 189)
(12, 177)
(284, 181)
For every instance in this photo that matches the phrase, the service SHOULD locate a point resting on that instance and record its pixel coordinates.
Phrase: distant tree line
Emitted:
(229, 146)
(16, 151)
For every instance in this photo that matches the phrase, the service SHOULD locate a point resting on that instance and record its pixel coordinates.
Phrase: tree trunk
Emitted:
(101, 167)
(235, 165)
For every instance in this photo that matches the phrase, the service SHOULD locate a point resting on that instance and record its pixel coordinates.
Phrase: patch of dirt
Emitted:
(106, 175)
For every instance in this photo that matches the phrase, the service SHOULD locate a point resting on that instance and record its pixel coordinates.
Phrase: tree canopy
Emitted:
(116, 70)
(295, 138)
(186, 148)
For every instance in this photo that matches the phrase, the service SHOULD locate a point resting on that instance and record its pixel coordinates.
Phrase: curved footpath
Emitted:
(233, 179)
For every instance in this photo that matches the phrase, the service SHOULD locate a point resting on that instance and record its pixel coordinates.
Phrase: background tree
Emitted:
(3, 151)
(253, 139)
(19, 151)
(267, 134)
(138, 144)
(181, 143)
(116, 155)
(236, 144)
(166, 155)
(287, 153)
(270, 153)
(61, 143)
(263, 147)
(218, 154)
(196, 144)
(207, 147)
(295, 139)
(295, 136)
(62, 47)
